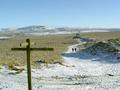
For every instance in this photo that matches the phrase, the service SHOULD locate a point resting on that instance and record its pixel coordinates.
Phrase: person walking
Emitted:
(72, 49)
(75, 49)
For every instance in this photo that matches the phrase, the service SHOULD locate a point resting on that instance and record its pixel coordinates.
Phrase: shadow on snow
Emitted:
(101, 57)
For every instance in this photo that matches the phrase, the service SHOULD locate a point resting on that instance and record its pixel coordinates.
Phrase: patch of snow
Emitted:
(5, 37)
(86, 31)
(51, 33)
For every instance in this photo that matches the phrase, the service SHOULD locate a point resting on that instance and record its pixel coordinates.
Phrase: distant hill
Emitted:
(45, 29)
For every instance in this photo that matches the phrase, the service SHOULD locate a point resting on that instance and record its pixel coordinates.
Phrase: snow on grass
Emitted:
(50, 33)
(5, 37)
(86, 31)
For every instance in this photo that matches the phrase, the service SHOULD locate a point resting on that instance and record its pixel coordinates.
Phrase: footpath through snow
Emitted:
(76, 74)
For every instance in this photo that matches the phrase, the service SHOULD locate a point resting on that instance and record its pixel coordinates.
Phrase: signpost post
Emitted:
(28, 50)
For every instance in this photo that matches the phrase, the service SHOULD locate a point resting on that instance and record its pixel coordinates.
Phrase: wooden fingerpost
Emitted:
(28, 65)
(28, 50)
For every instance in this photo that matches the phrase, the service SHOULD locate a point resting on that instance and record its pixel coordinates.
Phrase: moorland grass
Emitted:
(58, 42)
(101, 36)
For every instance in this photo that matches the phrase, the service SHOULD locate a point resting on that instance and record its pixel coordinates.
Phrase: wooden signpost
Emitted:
(28, 49)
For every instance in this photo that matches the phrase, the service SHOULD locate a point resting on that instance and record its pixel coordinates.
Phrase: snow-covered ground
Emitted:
(64, 32)
(76, 74)
(1, 38)
(85, 31)
(51, 33)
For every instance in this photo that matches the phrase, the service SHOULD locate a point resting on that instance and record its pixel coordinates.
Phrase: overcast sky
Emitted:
(72, 13)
